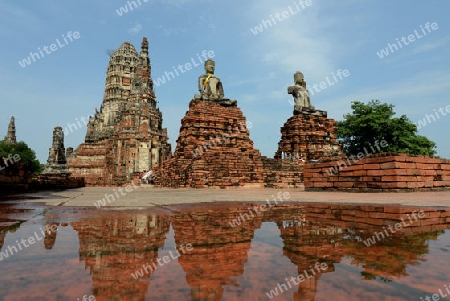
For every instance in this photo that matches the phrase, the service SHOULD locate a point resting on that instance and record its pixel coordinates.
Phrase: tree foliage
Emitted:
(27, 155)
(375, 121)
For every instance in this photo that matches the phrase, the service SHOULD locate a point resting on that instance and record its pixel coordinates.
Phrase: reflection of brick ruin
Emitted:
(332, 232)
(126, 136)
(2, 238)
(222, 250)
(219, 253)
(114, 248)
(50, 236)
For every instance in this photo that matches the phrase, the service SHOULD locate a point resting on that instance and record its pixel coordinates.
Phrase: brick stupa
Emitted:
(125, 138)
(214, 148)
(308, 134)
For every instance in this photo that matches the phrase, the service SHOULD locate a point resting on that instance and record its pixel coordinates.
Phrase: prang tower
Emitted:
(125, 137)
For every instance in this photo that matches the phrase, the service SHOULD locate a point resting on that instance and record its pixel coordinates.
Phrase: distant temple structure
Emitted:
(125, 137)
(11, 135)
(57, 163)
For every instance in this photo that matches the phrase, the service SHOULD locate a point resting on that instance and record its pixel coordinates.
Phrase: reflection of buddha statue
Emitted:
(50, 235)
(210, 86)
(300, 94)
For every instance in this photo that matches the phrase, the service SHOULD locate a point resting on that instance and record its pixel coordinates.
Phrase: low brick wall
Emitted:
(380, 172)
(280, 173)
(50, 182)
(16, 179)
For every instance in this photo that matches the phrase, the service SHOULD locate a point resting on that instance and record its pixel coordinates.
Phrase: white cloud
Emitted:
(413, 94)
(180, 3)
(136, 29)
(167, 32)
(300, 42)
(430, 45)
(14, 17)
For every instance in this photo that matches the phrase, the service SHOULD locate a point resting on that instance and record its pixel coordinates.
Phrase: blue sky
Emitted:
(318, 40)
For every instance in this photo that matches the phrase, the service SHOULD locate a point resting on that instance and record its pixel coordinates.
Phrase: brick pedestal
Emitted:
(214, 149)
(308, 136)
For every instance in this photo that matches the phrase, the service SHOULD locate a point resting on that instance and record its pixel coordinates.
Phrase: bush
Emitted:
(27, 155)
(375, 121)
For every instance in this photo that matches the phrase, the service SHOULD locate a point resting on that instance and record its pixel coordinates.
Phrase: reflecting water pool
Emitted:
(224, 251)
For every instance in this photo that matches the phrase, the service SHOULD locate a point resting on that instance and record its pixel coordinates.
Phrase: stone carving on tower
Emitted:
(11, 135)
(125, 136)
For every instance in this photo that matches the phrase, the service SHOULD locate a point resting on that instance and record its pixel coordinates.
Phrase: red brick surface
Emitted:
(214, 149)
(17, 178)
(312, 136)
(380, 172)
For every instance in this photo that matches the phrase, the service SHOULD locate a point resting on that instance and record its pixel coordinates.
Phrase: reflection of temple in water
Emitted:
(113, 248)
(327, 233)
(50, 236)
(2, 238)
(220, 250)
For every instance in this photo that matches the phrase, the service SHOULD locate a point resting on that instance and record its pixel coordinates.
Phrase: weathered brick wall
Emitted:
(279, 173)
(89, 162)
(314, 137)
(380, 172)
(16, 179)
(214, 149)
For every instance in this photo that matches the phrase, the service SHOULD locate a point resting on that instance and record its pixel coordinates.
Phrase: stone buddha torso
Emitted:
(210, 87)
(301, 96)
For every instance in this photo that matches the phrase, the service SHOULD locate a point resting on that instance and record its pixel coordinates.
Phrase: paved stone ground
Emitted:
(147, 197)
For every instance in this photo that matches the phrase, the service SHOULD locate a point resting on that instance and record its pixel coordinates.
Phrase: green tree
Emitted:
(27, 155)
(375, 121)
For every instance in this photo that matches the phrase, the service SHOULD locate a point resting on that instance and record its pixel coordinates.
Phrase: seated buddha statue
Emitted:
(301, 95)
(210, 86)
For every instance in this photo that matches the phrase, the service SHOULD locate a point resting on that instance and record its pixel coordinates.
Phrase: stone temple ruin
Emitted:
(11, 135)
(18, 177)
(57, 163)
(214, 148)
(125, 142)
(125, 137)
